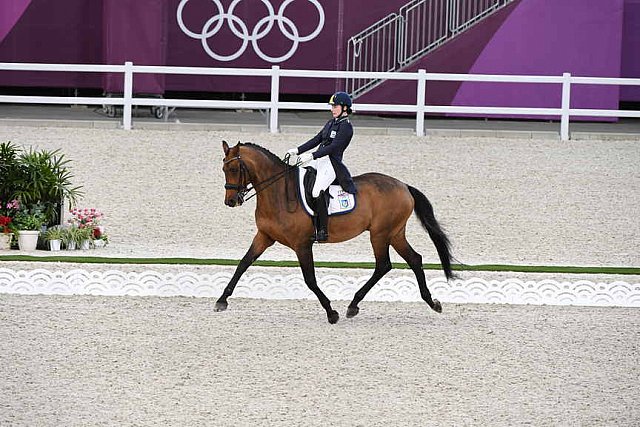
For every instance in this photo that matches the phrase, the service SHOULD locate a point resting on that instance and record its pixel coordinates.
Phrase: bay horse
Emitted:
(383, 206)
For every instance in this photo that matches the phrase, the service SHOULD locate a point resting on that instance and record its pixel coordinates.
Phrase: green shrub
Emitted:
(37, 178)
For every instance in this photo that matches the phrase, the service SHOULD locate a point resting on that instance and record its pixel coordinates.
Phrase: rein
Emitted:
(243, 188)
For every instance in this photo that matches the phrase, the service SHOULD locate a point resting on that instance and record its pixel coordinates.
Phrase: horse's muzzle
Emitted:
(234, 201)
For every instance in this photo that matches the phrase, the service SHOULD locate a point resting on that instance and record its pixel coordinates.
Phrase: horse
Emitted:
(384, 205)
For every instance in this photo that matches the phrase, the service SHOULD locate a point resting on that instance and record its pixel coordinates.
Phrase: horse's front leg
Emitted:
(305, 257)
(260, 243)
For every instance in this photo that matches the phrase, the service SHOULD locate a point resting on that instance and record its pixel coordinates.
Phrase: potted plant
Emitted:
(85, 238)
(70, 237)
(28, 223)
(100, 238)
(6, 234)
(54, 235)
(87, 222)
(37, 178)
(7, 227)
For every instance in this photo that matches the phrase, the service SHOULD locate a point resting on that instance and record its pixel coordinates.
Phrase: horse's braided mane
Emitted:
(268, 153)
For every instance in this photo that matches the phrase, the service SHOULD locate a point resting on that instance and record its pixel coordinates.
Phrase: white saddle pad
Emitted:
(341, 202)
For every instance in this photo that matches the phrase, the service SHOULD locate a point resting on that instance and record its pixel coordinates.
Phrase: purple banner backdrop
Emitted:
(136, 32)
(11, 12)
(581, 37)
(631, 49)
(584, 37)
(301, 35)
(49, 31)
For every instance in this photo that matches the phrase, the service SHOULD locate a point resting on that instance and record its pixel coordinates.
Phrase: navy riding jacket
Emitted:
(333, 139)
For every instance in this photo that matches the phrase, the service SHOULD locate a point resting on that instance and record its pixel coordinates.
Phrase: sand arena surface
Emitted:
(501, 201)
(172, 361)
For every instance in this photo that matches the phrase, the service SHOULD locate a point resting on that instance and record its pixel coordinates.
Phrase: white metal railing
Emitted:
(376, 48)
(275, 73)
(418, 28)
(465, 13)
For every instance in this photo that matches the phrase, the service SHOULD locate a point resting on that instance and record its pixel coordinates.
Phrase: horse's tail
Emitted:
(424, 212)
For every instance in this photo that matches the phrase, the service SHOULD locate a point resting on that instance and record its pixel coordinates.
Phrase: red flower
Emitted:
(96, 233)
(4, 224)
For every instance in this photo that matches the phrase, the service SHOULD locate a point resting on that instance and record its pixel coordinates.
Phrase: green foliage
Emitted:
(30, 219)
(36, 178)
(76, 234)
(54, 233)
(10, 172)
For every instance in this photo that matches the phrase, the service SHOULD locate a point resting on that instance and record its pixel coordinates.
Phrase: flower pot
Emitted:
(54, 245)
(71, 246)
(85, 245)
(5, 241)
(28, 240)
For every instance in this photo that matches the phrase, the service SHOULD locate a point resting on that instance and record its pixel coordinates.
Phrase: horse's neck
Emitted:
(269, 179)
(264, 169)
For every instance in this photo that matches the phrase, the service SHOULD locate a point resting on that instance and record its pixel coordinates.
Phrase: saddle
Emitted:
(340, 202)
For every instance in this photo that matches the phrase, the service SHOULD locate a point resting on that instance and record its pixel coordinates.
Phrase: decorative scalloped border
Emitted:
(337, 287)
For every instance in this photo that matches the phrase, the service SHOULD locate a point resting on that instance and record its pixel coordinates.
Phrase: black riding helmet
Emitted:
(343, 99)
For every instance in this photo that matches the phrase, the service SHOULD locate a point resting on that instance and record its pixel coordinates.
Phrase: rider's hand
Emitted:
(293, 151)
(305, 158)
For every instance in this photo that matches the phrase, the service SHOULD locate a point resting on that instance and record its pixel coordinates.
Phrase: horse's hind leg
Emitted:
(414, 259)
(383, 266)
(305, 258)
(260, 243)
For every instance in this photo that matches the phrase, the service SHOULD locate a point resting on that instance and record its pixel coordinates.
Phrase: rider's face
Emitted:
(336, 110)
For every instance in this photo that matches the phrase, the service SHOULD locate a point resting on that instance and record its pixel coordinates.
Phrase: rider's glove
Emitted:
(305, 158)
(293, 151)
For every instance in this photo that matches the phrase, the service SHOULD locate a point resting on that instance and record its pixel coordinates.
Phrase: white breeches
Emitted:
(326, 174)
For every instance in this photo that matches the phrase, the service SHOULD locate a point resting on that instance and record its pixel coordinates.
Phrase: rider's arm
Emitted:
(339, 143)
(313, 142)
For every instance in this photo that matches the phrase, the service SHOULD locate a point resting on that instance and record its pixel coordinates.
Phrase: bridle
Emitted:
(242, 188)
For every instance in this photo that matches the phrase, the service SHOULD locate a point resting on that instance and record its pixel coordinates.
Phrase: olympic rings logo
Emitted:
(261, 29)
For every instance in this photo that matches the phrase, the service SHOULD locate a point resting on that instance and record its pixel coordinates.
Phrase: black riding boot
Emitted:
(322, 235)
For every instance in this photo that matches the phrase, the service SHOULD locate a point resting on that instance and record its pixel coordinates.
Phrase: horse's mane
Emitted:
(268, 153)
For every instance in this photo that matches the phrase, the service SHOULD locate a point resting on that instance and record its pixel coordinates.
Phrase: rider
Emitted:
(333, 139)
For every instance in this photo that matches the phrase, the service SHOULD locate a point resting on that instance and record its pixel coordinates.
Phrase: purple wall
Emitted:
(137, 32)
(48, 33)
(584, 37)
(631, 49)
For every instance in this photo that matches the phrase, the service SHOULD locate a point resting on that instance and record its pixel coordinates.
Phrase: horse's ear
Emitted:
(225, 147)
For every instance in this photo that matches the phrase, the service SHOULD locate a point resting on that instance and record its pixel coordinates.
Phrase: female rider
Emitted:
(333, 139)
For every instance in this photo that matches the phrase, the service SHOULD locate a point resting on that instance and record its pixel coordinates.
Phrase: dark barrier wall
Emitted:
(584, 37)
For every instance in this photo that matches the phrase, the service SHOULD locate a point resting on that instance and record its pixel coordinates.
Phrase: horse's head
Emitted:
(236, 175)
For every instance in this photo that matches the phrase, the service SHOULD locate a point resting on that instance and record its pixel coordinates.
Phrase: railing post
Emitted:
(422, 86)
(275, 90)
(566, 105)
(128, 95)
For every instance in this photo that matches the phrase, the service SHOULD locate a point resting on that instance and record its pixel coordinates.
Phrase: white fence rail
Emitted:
(275, 73)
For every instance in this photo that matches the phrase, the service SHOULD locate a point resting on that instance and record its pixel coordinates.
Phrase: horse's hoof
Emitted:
(437, 307)
(333, 317)
(352, 311)
(221, 306)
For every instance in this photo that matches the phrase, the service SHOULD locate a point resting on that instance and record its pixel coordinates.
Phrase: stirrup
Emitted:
(321, 236)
